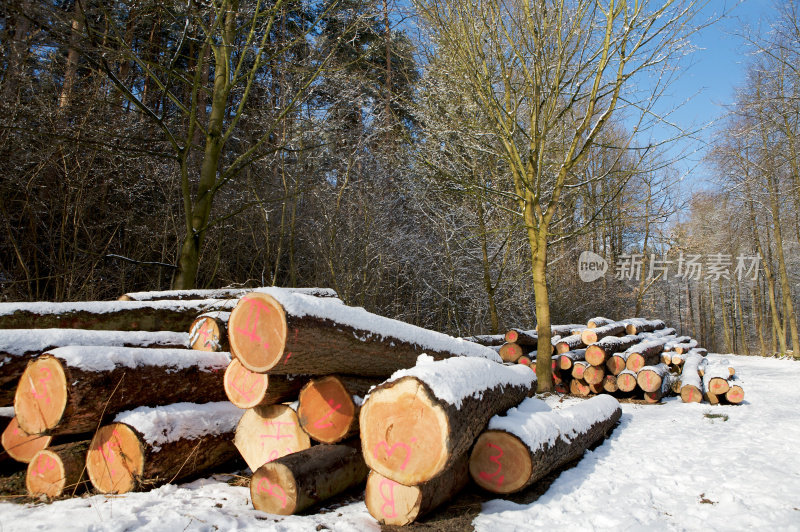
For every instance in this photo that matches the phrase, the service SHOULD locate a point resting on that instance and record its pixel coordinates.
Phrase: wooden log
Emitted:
(579, 387)
(569, 343)
(626, 381)
(217, 293)
(488, 340)
(676, 359)
(290, 334)
(685, 347)
(599, 321)
(522, 337)
(647, 353)
(715, 377)
(526, 360)
(590, 336)
(209, 332)
(295, 482)
(21, 446)
(147, 447)
(327, 411)
(417, 424)
(610, 383)
(667, 331)
(640, 325)
(594, 374)
(391, 503)
(617, 362)
(510, 352)
(566, 330)
(247, 389)
(20, 346)
(71, 390)
(598, 353)
(651, 378)
(735, 393)
(676, 341)
(691, 390)
(566, 360)
(268, 432)
(656, 396)
(529, 442)
(58, 470)
(579, 368)
(108, 315)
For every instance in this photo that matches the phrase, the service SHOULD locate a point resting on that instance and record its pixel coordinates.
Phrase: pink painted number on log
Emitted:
(108, 453)
(496, 459)
(249, 331)
(387, 501)
(44, 464)
(43, 383)
(390, 450)
(277, 425)
(269, 490)
(240, 377)
(318, 425)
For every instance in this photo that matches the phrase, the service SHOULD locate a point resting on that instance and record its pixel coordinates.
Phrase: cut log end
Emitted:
(257, 332)
(273, 489)
(718, 386)
(626, 382)
(115, 460)
(407, 453)
(205, 334)
(595, 355)
(615, 364)
(326, 410)
(512, 336)
(510, 352)
(20, 445)
(45, 475)
(500, 462)
(41, 395)
(391, 503)
(268, 432)
(243, 387)
(594, 374)
(735, 395)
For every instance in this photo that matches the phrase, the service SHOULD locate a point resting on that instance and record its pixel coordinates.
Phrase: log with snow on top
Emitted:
(511, 352)
(58, 470)
(578, 369)
(530, 441)
(617, 362)
(645, 353)
(566, 360)
(69, 389)
(626, 381)
(651, 378)
(416, 424)
(590, 336)
(288, 333)
(327, 410)
(394, 504)
(610, 384)
(594, 375)
(691, 390)
(146, 447)
(669, 331)
(569, 343)
(216, 293)
(265, 433)
(735, 393)
(109, 315)
(295, 482)
(702, 351)
(598, 353)
(599, 321)
(209, 331)
(567, 329)
(715, 377)
(685, 347)
(20, 346)
(663, 391)
(522, 337)
(488, 340)
(640, 325)
(676, 341)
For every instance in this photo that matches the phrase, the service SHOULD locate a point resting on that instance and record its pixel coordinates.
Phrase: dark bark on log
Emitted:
(56, 398)
(219, 293)
(570, 343)
(58, 470)
(395, 504)
(526, 338)
(264, 336)
(488, 340)
(566, 360)
(410, 436)
(566, 330)
(599, 353)
(638, 325)
(296, 482)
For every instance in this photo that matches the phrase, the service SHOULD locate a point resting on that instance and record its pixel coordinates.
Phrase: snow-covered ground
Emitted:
(666, 467)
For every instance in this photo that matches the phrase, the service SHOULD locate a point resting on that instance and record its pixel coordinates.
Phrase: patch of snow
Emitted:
(187, 421)
(454, 379)
(104, 307)
(103, 358)
(17, 342)
(7, 411)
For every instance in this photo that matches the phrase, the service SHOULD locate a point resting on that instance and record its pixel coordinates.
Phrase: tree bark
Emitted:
(58, 470)
(290, 484)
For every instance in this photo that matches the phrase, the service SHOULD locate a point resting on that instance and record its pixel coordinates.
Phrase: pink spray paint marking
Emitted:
(318, 425)
(277, 435)
(108, 453)
(387, 501)
(269, 489)
(44, 464)
(390, 451)
(496, 459)
(43, 383)
(249, 331)
(240, 377)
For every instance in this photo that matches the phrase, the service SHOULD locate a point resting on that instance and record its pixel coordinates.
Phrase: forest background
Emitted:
(151, 144)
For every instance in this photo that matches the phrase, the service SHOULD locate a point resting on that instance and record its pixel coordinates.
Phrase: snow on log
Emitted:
(640, 325)
(217, 293)
(146, 447)
(626, 381)
(702, 351)
(522, 337)
(590, 336)
(209, 332)
(530, 441)
(566, 360)
(579, 368)
(651, 378)
(268, 432)
(569, 343)
(675, 341)
(327, 411)
(685, 347)
(69, 389)
(19, 346)
(669, 331)
(646, 353)
(715, 377)
(599, 321)
(108, 315)
(57, 470)
(21, 446)
(691, 385)
(566, 330)
(598, 353)
(395, 504)
(415, 425)
(676, 359)
(735, 394)
(663, 391)
(295, 482)
(594, 374)
(296, 334)
(488, 340)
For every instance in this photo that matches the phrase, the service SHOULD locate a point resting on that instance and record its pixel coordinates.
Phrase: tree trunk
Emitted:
(268, 432)
(410, 434)
(398, 505)
(71, 71)
(71, 390)
(544, 372)
(288, 335)
(58, 470)
(295, 482)
(507, 458)
(129, 455)
(326, 410)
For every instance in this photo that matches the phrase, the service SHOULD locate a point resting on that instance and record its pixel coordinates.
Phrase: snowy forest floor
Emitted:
(672, 466)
